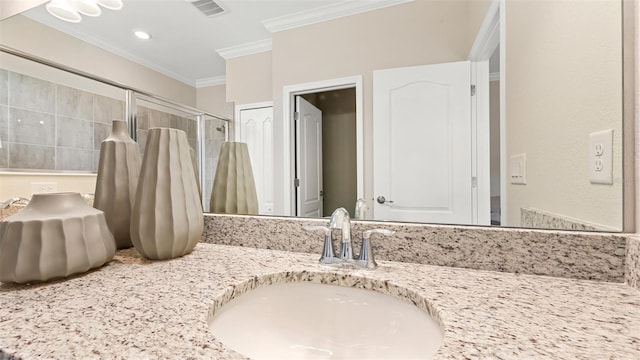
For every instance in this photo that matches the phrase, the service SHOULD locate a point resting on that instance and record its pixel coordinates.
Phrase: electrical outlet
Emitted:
(518, 169)
(601, 157)
(599, 149)
(598, 165)
(44, 187)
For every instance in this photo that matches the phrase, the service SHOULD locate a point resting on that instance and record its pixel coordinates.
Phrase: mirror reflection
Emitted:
(435, 117)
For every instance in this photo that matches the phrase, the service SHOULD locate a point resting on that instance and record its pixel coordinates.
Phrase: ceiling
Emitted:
(184, 41)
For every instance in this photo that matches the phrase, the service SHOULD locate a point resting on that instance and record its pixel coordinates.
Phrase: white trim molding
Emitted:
(484, 45)
(488, 36)
(212, 81)
(253, 47)
(326, 13)
(50, 21)
(288, 159)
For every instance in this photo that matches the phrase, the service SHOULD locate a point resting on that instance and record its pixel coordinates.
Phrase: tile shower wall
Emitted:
(47, 126)
(150, 118)
(214, 136)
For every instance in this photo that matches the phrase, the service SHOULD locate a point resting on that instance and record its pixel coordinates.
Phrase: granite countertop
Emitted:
(136, 308)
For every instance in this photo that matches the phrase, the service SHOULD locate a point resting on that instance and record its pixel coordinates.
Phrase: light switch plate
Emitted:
(518, 169)
(601, 157)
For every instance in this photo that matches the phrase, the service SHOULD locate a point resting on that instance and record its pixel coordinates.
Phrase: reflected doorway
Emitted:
(494, 135)
(326, 152)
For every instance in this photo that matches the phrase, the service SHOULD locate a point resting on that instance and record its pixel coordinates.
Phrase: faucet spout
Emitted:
(340, 220)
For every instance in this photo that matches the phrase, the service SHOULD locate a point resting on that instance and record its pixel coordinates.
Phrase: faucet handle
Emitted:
(328, 255)
(366, 254)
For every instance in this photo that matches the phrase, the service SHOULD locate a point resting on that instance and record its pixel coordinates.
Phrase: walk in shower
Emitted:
(53, 119)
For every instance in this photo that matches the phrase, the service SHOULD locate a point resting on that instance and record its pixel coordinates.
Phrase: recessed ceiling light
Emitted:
(142, 35)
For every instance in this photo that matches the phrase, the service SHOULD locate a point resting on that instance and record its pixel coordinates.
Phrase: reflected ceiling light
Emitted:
(63, 11)
(88, 7)
(70, 10)
(142, 35)
(110, 4)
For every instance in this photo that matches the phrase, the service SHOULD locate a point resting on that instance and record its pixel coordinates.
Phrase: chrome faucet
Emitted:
(340, 220)
(12, 201)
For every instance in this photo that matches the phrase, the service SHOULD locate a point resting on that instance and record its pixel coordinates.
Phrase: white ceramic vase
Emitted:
(54, 236)
(117, 181)
(167, 219)
(234, 189)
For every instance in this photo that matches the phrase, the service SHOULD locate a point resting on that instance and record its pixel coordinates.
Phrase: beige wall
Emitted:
(13, 7)
(60, 77)
(416, 33)
(212, 99)
(249, 79)
(551, 108)
(20, 185)
(339, 162)
(24, 34)
(477, 12)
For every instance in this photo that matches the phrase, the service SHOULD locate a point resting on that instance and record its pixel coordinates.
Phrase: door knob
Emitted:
(382, 200)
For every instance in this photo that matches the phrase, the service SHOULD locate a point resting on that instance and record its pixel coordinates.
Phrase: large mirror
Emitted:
(543, 144)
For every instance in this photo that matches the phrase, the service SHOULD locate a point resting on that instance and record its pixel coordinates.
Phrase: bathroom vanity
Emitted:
(137, 308)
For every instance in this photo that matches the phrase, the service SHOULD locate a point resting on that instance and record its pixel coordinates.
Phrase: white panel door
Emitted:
(422, 154)
(308, 159)
(255, 127)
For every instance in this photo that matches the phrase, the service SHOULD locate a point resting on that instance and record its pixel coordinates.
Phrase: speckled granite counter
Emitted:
(581, 255)
(134, 308)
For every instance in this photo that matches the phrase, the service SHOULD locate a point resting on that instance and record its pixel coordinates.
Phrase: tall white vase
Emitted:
(117, 181)
(167, 219)
(55, 235)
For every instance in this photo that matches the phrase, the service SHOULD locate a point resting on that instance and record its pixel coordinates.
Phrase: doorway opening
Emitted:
(494, 136)
(342, 147)
(328, 157)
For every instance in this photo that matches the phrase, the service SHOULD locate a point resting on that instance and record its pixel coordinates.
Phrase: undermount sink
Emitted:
(317, 321)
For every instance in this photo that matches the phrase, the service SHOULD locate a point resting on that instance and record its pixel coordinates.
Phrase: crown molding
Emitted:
(112, 49)
(325, 13)
(245, 49)
(212, 81)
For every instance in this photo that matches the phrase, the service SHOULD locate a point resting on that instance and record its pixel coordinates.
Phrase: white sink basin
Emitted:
(314, 321)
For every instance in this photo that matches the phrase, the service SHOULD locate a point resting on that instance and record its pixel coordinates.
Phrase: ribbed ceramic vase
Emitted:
(54, 236)
(194, 162)
(234, 189)
(167, 219)
(117, 181)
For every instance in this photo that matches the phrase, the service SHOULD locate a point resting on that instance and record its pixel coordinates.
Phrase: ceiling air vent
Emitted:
(207, 7)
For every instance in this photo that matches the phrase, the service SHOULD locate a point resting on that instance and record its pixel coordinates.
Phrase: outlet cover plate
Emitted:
(518, 169)
(600, 157)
